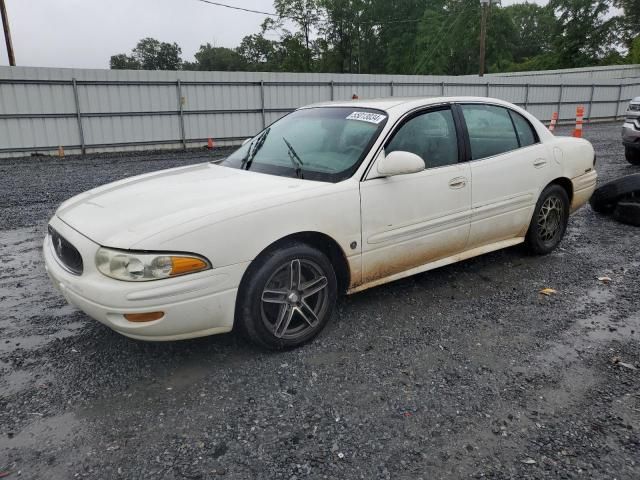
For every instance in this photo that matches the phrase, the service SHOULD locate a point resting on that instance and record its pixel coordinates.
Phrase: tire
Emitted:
(632, 155)
(549, 221)
(605, 198)
(628, 211)
(277, 308)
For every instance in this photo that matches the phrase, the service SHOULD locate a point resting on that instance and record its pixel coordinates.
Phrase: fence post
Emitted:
(181, 112)
(442, 89)
(78, 115)
(264, 121)
(615, 115)
(331, 85)
(526, 97)
(560, 101)
(593, 88)
(391, 85)
(487, 95)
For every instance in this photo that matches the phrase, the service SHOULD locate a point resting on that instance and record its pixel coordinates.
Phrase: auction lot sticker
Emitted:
(367, 117)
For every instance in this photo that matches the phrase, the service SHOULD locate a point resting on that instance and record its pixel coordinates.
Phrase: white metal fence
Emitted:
(106, 110)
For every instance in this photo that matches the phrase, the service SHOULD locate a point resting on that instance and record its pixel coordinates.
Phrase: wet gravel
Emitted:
(462, 372)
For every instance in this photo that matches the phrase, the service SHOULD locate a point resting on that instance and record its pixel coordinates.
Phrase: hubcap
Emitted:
(295, 299)
(550, 219)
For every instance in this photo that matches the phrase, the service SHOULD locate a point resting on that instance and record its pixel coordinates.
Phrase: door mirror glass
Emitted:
(399, 163)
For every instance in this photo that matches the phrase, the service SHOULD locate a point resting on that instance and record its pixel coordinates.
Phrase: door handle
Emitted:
(540, 162)
(458, 182)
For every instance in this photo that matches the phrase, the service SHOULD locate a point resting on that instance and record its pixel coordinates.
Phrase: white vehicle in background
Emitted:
(333, 198)
(631, 132)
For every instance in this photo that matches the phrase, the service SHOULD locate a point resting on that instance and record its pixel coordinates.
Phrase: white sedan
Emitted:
(333, 198)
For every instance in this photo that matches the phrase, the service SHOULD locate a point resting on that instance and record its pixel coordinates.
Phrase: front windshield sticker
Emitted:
(367, 117)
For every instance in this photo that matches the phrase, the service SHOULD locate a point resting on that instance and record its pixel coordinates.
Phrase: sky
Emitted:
(85, 33)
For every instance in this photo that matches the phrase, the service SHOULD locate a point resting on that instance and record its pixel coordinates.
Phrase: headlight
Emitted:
(142, 267)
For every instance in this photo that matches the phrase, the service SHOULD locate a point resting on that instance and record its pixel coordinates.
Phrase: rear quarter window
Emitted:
(526, 133)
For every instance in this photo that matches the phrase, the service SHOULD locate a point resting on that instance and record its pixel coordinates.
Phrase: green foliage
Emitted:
(634, 54)
(124, 62)
(149, 54)
(416, 37)
(219, 59)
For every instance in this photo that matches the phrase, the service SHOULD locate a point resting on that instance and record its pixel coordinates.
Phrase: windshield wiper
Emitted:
(256, 145)
(295, 159)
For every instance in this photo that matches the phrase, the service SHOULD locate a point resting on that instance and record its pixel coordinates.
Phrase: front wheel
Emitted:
(287, 297)
(549, 221)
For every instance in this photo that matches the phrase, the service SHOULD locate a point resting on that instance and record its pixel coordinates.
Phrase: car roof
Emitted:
(637, 99)
(404, 103)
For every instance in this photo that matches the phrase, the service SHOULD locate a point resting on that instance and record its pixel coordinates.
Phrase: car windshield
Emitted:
(325, 144)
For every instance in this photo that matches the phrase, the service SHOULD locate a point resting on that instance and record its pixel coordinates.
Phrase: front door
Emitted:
(413, 219)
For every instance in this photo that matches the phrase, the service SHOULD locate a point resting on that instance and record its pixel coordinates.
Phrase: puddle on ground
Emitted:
(17, 380)
(42, 432)
(31, 342)
(25, 290)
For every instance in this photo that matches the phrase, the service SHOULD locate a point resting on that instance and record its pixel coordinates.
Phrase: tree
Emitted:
(584, 32)
(534, 26)
(634, 51)
(305, 14)
(223, 59)
(630, 21)
(449, 36)
(260, 53)
(123, 62)
(149, 54)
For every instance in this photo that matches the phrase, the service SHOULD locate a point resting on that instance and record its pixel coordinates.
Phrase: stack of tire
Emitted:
(621, 198)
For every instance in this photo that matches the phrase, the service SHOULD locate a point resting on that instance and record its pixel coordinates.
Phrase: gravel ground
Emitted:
(462, 372)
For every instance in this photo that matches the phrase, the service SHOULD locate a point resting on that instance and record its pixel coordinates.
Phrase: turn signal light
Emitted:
(182, 265)
(144, 317)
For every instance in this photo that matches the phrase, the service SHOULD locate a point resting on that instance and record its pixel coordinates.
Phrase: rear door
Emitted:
(509, 167)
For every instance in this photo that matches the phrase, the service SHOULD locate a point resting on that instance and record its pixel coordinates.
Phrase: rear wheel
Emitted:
(632, 155)
(288, 297)
(549, 221)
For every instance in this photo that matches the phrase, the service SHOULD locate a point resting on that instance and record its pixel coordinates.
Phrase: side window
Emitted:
(490, 130)
(526, 134)
(432, 136)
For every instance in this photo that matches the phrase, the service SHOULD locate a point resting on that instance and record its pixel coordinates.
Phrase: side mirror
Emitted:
(247, 140)
(399, 163)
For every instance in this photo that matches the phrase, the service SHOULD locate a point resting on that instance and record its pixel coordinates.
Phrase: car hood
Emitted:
(124, 213)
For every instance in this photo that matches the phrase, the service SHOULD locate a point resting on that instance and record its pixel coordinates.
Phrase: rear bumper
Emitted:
(194, 305)
(583, 188)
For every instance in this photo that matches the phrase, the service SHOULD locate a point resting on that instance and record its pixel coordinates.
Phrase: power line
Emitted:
(440, 37)
(233, 7)
(368, 22)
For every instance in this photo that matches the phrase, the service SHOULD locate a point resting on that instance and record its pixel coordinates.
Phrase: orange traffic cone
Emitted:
(210, 143)
(61, 151)
(577, 132)
(554, 120)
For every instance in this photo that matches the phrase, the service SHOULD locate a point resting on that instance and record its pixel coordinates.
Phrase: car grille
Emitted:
(66, 253)
(634, 107)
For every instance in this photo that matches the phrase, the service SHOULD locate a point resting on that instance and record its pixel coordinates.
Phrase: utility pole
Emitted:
(7, 33)
(483, 33)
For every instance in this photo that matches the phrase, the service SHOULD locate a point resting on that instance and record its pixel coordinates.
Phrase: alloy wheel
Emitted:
(295, 299)
(550, 219)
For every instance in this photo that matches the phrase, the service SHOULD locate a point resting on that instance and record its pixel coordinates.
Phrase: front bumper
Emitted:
(631, 132)
(194, 305)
